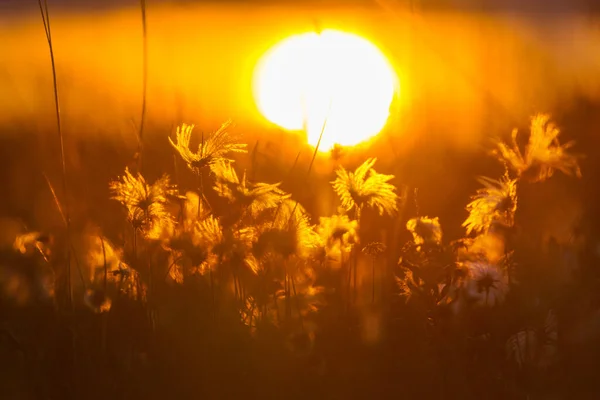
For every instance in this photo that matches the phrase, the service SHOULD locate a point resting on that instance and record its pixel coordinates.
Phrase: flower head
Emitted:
(543, 154)
(487, 284)
(290, 234)
(337, 233)
(425, 230)
(495, 203)
(365, 187)
(145, 203)
(256, 197)
(212, 149)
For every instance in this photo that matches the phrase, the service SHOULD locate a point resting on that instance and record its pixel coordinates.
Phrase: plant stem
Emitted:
(46, 21)
(104, 314)
(312, 161)
(144, 84)
(297, 303)
(373, 283)
(212, 294)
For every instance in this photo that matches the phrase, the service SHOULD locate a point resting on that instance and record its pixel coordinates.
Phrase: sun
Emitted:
(332, 82)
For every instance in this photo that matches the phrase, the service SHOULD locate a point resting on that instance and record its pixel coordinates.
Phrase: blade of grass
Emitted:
(46, 21)
(69, 242)
(144, 84)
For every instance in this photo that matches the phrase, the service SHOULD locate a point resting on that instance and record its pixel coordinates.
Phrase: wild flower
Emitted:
(337, 234)
(290, 234)
(374, 249)
(190, 212)
(365, 187)
(425, 230)
(495, 203)
(231, 245)
(487, 284)
(543, 154)
(145, 203)
(255, 197)
(211, 150)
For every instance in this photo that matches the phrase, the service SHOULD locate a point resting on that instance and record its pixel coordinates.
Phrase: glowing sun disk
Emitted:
(332, 79)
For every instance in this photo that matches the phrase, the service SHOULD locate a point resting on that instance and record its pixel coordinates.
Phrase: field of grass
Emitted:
(190, 265)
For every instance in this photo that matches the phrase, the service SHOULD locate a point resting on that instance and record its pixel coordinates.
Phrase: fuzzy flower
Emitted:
(543, 154)
(145, 203)
(229, 245)
(374, 249)
(212, 149)
(365, 187)
(256, 197)
(495, 203)
(486, 285)
(290, 234)
(425, 230)
(337, 234)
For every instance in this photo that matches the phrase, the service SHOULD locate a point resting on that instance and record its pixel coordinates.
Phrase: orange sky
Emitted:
(451, 66)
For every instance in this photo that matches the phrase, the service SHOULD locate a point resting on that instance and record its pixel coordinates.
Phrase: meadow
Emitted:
(169, 260)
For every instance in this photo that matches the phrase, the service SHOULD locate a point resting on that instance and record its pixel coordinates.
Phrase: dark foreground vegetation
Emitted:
(228, 288)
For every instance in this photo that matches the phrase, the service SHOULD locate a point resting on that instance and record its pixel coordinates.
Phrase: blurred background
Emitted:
(468, 72)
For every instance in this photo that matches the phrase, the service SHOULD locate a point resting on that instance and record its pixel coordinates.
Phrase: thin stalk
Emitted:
(46, 21)
(288, 308)
(297, 303)
(373, 279)
(202, 196)
(280, 197)
(312, 161)
(171, 266)
(180, 216)
(104, 314)
(64, 218)
(144, 84)
(253, 170)
(349, 285)
(212, 294)
(355, 257)
(355, 269)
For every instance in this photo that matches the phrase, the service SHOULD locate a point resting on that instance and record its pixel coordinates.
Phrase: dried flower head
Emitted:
(145, 203)
(337, 233)
(374, 249)
(255, 197)
(487, 285)
(425, 230)
(212, 149)
(495, 203)
(543, 154)
(290, 234)
(365, 187)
